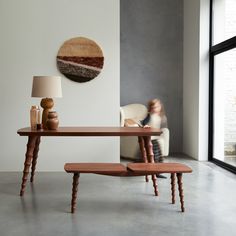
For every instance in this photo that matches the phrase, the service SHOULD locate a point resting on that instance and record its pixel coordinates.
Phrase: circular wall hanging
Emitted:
(80, 59)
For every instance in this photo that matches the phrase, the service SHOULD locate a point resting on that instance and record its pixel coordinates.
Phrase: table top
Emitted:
(91, 131)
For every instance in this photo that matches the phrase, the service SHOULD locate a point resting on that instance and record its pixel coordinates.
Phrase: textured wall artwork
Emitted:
(80, 59)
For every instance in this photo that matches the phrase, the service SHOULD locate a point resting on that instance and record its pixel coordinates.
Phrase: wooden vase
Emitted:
(46, 104)
(52, 120)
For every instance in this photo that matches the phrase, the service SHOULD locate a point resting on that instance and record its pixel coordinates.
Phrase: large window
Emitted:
(222, 120)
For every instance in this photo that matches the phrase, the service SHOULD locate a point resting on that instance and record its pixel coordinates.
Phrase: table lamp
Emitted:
(46, 87)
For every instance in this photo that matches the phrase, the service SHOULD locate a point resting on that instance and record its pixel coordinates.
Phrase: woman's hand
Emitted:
(146, 126)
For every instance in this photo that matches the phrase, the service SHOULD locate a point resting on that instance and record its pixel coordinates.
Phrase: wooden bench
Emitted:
(132, 169)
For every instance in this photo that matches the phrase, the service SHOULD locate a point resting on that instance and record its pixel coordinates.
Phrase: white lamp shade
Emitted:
(46, 87)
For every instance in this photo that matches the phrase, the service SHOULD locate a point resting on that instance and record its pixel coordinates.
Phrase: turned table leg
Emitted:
(143, 152)
(74, 191)
(149, 150)
(181, 192)
(28, 159)
(172, 176)
(35, 156)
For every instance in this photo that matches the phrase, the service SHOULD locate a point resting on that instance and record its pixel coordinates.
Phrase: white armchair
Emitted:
(129, 146)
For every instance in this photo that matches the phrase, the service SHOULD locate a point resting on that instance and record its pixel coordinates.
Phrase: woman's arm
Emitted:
(145, 121)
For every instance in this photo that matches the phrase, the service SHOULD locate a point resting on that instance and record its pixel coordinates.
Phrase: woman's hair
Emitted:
(152, 102)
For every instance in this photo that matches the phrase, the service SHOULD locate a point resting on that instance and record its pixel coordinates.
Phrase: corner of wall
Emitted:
(191, 78)
(196, 79)
(203, 80)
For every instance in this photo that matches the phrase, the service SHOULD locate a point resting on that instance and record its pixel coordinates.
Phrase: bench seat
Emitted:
(160, 168)
(95, 168)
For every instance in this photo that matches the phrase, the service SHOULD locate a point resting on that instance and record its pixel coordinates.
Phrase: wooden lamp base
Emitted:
(47, 105)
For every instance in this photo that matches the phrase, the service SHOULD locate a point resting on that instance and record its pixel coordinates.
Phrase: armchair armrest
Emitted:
(166, 137)
(122, 117)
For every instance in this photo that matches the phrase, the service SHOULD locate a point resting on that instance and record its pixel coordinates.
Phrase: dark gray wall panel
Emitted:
(152, 58)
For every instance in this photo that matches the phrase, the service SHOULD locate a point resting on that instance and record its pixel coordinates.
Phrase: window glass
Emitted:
(224, 20)
(224, 137)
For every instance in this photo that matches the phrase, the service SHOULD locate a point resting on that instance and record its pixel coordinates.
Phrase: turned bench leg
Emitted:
(74, 191)
(172, 176)
(181, 192)
(155, 186)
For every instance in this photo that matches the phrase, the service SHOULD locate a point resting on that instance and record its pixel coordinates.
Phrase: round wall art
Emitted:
(80, 59)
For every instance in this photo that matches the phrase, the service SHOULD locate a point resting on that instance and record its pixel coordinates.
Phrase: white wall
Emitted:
(31, 34)
(191, 77)
(196, 78)
(203, 80)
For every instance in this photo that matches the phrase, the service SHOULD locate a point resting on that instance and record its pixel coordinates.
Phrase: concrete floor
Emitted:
(119, 206)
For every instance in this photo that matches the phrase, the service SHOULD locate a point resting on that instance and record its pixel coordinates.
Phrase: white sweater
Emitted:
(155, 122)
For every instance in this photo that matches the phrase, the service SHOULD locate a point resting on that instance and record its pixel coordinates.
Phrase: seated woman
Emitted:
(156, 118)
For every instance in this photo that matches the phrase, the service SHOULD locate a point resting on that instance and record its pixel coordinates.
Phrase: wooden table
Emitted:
(34, 137)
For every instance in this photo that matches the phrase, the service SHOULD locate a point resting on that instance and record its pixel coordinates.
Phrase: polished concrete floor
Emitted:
(120, 206)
